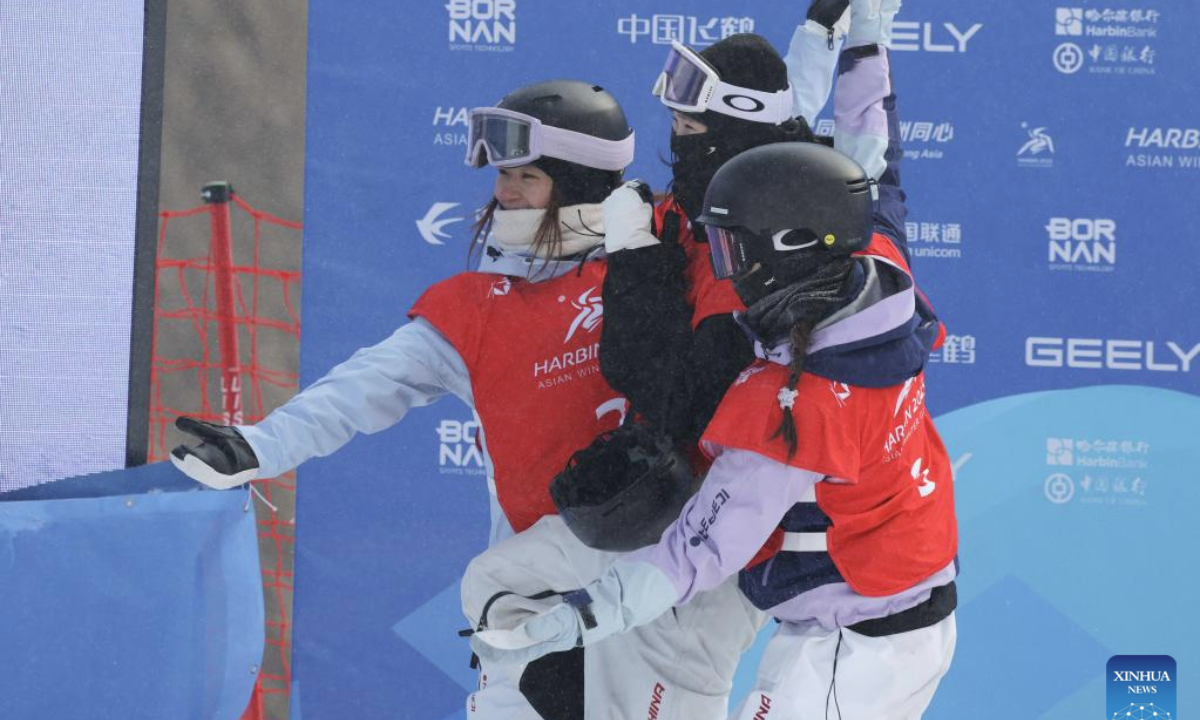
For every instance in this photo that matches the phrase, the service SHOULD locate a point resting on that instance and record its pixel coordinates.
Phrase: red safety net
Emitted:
(224, 324)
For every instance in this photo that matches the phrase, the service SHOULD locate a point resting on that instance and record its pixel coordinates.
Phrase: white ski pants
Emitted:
(806, 673)
(679, 667)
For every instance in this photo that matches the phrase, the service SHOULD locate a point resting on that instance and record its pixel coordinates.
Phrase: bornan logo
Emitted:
(458, 452)
(591, 312)
(1083, 244)
(483, 25)
(431, 225)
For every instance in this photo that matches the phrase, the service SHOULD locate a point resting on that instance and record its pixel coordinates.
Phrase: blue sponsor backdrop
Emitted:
(1051, 152)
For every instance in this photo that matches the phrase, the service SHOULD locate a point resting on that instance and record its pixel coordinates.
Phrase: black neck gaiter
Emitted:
(696, 159)
(819, 286)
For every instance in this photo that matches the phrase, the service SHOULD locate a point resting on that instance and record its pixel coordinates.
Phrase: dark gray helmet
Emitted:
(776, 199)
(621, 492)
(581, 174)
(571, 105)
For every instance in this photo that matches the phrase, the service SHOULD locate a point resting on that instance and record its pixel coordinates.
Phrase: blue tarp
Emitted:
(128, 595)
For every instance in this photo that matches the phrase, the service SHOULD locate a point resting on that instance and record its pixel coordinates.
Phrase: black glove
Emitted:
(222, 460)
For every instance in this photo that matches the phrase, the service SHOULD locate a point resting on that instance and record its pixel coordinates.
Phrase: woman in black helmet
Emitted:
(517, 340)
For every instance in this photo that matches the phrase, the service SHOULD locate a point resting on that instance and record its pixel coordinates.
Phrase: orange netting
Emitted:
(256, 333)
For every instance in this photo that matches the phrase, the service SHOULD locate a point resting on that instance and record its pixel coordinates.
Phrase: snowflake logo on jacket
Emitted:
(591, 311)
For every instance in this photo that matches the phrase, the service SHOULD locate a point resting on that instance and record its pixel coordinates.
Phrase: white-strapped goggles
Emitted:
(505, 138)
(689, 84)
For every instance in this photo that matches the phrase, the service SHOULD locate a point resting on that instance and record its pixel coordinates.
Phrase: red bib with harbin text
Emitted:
(888, 493)
(532, 350)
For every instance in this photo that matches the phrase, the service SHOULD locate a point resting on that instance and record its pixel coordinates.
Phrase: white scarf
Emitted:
(582, 229)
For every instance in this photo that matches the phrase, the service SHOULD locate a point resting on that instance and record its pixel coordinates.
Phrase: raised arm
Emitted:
(866, 126)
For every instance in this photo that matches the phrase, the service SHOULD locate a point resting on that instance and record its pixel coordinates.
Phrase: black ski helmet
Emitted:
(584, 108)
(621, 492)
(773, 200)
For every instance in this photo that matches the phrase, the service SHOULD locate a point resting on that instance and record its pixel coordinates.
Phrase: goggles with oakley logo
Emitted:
(505, 138)
(689, 84)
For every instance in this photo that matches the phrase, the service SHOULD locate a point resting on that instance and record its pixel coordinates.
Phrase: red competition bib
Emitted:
(891, 496)
(706, 295)
(532, 350)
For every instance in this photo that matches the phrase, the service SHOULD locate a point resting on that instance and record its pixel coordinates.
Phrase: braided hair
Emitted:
(816, 285)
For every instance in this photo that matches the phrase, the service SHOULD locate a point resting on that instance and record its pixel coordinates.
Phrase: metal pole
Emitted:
(217, 196)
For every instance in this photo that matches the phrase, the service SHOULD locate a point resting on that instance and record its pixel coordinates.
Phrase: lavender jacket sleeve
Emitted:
(742, 501)
(867, 128)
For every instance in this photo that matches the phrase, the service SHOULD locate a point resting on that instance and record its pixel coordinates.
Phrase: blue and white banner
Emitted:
(1050, 152)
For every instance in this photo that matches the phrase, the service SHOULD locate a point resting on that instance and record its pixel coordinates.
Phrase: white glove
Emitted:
(629, 594)
(628, 212)
(555, 630)
(871, 21)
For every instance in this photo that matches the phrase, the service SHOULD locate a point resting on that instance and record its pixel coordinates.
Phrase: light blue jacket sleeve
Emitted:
(811, 61)
(371, 391)
(742, 500)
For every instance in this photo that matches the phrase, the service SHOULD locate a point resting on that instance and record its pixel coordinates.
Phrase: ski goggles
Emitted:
(689, 84)
(505, 138)
(728, 247)
(727, 253)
